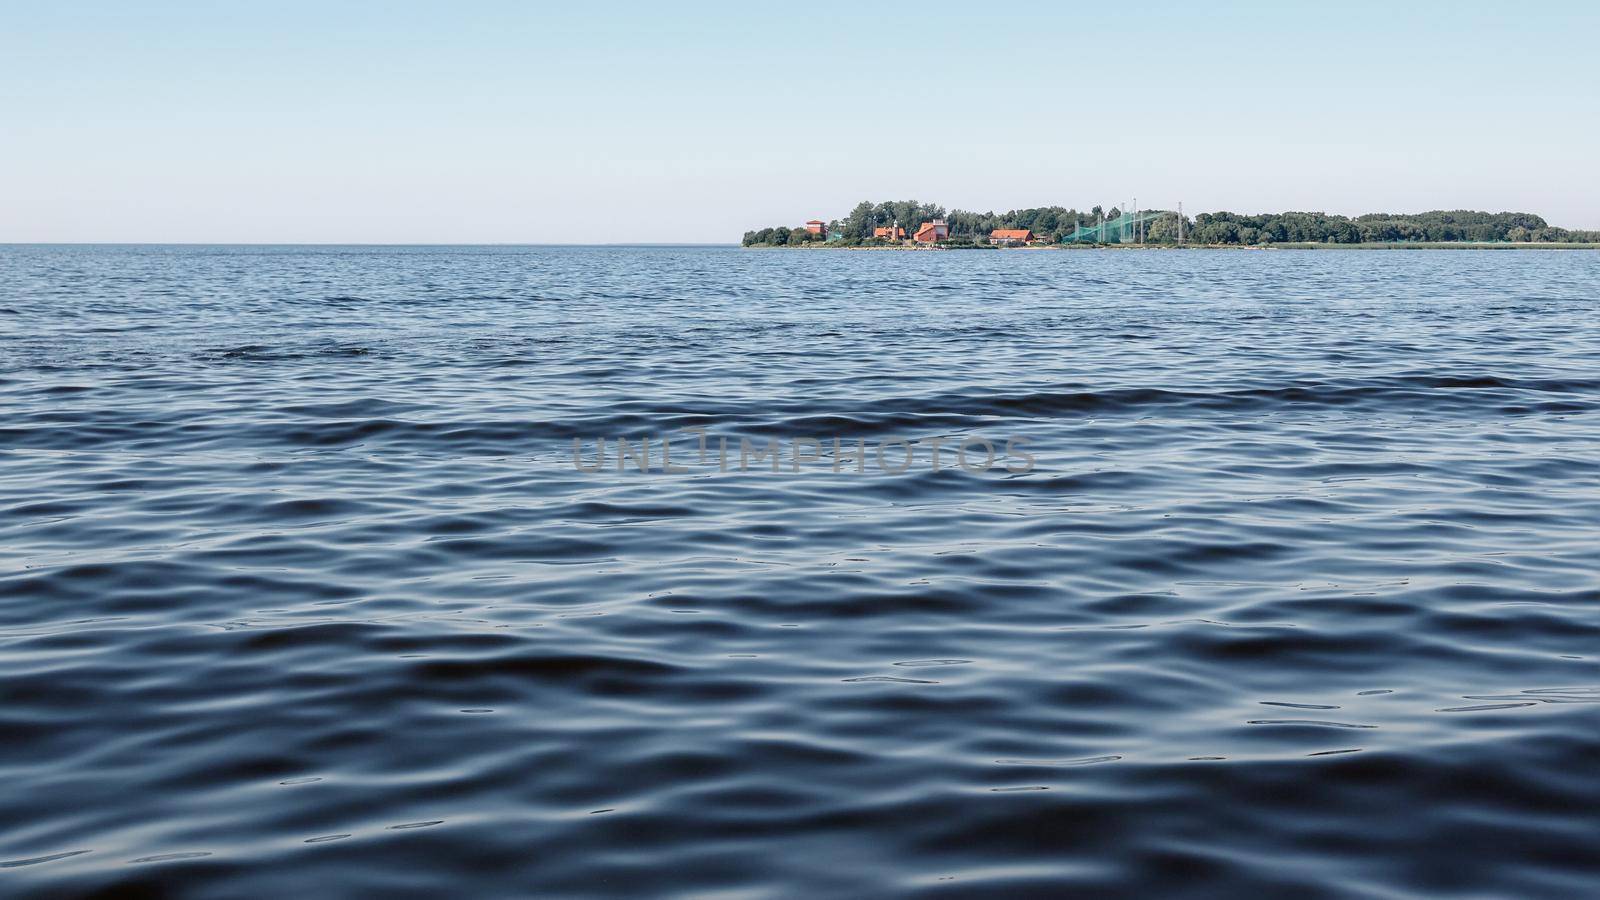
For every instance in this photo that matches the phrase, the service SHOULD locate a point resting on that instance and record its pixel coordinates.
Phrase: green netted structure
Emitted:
(1124, 229)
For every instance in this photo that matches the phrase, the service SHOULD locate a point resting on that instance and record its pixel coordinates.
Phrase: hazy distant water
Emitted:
(300, 592)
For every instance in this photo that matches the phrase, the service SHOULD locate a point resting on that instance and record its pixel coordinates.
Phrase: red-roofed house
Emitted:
(816, 227)
(889, 232)
(932, 232)
(1010, 236)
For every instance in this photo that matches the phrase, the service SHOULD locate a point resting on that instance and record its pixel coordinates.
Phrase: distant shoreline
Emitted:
(1288, 245)
(896, 223)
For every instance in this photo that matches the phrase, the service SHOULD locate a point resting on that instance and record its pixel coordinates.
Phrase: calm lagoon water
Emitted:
(301, 592)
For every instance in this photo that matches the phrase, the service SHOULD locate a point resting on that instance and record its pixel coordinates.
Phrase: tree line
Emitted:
(781, 237)
(1054, 223)
(1442, 226)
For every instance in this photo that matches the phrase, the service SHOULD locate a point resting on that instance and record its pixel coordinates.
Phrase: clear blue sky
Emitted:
(529, 122)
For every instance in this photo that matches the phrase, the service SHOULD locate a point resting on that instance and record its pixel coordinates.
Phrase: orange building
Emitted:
(1010, 236)
(816, 227)
(932, 232)
(889, 233)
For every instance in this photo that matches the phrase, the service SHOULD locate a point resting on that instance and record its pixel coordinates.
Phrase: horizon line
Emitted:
(363, 244)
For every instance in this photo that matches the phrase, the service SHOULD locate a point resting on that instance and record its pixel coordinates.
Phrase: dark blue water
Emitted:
(301, 592)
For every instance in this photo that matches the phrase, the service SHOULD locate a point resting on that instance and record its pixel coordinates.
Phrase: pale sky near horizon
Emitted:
(498, 121)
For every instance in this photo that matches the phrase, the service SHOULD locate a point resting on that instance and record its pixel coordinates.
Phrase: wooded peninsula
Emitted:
(912, 224)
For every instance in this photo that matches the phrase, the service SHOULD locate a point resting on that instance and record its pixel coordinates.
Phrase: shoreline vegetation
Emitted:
(1190, 245)
(910, 225)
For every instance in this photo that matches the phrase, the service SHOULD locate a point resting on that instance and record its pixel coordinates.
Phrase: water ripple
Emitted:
(301, 592)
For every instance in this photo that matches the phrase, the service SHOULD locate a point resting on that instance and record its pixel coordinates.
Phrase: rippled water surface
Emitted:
(301, 592)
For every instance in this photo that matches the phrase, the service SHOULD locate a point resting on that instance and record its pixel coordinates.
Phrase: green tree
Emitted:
(1163, 230)
(860, 222)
